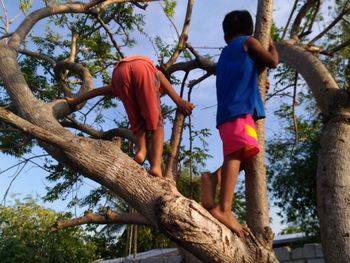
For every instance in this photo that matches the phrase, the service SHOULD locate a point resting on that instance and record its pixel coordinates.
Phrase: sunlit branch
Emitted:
(183, 37)
(17, 173)
(109, 217)
(31, 129)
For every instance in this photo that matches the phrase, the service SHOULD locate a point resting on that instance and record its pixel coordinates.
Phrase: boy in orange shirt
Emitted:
(139, 85)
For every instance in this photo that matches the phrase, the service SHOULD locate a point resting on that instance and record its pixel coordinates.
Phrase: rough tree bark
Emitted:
(333, 172)
(256, 183)
(182, 219)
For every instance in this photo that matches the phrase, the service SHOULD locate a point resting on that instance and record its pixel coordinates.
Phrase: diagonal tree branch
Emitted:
(109, 217)
(289, 19)
(344, 12)
(297, 21)
(105, 135)
(183, 37)
(318, 78)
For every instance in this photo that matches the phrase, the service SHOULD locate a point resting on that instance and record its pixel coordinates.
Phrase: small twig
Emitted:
(295, 123)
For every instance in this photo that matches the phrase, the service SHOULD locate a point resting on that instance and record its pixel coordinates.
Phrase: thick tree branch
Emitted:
(318, 78)
(105, 135)
(183, 220)
(109, 217)
(257, 216)
(22, 31)
(87, 84)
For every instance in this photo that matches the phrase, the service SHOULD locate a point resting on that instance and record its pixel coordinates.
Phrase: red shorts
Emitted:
(239, 134)
(135, 81)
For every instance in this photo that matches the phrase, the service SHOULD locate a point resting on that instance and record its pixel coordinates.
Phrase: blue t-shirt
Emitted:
(237, 84)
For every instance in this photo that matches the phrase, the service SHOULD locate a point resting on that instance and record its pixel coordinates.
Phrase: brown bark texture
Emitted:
(183, 220)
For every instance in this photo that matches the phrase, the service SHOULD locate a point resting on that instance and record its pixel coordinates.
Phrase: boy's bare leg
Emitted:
(157, 141)
(222, 212)
(141, 152)
(209, 182)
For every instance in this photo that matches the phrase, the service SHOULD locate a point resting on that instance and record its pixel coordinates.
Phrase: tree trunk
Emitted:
(333, 172)
(256, 183)
(333, 189)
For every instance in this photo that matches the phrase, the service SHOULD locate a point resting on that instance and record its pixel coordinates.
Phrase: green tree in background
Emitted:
(26, 236)
(292, 155)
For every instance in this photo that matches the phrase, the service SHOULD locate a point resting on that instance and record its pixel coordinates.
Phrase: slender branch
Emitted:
(38, 56)
(290, 18)
(110, 34)
(330, 26)
(295, 123)
(337, 48)
(277, 92)
(5, 19)
(109, 217)
(171, 21)
(107, 135)
(302, 13)
(199, 80)
(183, 38)
(308, 28)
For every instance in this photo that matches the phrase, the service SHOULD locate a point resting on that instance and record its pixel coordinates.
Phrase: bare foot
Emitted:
(156, 171)
(140, 157)
(229, 220)
(207, 191)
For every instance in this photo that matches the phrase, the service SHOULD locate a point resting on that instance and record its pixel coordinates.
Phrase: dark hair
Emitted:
(237, 22)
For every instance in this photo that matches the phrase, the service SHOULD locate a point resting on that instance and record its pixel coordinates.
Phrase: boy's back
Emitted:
(236, 83)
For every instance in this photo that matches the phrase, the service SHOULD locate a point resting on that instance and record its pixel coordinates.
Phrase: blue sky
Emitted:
(205, 31)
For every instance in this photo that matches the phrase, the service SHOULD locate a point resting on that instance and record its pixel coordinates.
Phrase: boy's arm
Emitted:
(263, 57)
(184, 106)
(103, 91)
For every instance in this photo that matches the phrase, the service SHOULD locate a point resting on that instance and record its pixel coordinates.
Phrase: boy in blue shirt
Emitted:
(239, 104)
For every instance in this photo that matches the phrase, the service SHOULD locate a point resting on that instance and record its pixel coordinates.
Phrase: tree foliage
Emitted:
(26, 235)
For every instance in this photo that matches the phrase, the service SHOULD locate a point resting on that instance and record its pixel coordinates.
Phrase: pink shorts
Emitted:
(239, 134)
(135, 81)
